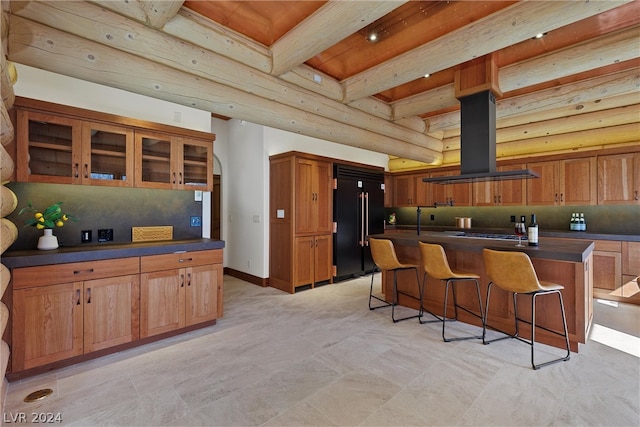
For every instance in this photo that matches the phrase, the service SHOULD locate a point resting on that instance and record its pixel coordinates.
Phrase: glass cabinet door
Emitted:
(153, 161)
(197, 164)
(48, 148)
(107, 156)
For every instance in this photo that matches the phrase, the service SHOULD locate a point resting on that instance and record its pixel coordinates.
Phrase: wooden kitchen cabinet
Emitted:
(388, 190)
(62, 150)
(563, 182)
(313, 195)
(179, 290)
(459, 194)
(619, 179)
(404, 192)
(173, 162)
(67, 145)
(48, 147)
(510, 192)
(300, 220)
(55, 318)
(312, 259)
(615, 265)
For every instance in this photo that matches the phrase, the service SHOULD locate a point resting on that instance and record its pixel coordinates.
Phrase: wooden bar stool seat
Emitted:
(513, 272)
(435, 264)
(384, 257)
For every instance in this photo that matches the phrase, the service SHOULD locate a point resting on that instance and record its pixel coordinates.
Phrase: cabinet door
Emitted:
(153, 157)
(195, 164)
(323, 258)
(162, 307)
(48, 148)
(578, 181)
(619, 179)
(512, 192)
(324, 197)
(404, 190)
(305, 196)
(544, 190)
(388, 190)
(110, 312)
(47, 325)
(631, 258)
(201, 294)
(107, 155)
(484, 193)
(460, 194)
(303, 260)
(422, 191)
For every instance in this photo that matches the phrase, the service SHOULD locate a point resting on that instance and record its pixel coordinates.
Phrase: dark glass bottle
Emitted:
(532, 237)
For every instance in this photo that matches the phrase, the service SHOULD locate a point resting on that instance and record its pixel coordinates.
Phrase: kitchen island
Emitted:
(564, 261)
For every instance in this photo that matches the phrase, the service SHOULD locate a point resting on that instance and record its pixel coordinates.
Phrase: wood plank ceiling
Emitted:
(311, 67)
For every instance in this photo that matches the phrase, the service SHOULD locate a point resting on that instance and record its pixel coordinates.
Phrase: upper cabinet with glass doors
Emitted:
(166, 161)
(91, 148)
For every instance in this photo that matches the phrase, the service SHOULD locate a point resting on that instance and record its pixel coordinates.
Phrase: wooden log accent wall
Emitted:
(9, 202)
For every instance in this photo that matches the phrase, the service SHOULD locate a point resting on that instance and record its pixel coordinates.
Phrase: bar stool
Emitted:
(435, 264)
(384, 257)
(514, 273)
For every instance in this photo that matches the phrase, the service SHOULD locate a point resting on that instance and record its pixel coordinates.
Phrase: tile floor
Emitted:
(320, 357)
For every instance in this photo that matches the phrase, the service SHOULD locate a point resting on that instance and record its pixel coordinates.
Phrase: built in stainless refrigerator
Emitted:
(358, 211)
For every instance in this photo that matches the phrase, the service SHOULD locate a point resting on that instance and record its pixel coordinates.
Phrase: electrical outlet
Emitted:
(196, 221)
(433, 217)
(513, 218)
(105, 235)
(85, 236)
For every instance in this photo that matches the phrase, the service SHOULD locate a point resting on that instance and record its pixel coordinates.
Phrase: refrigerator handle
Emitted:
(361, 197)
(366, 219)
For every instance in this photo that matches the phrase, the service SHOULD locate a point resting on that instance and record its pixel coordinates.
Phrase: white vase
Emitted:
(47, 240)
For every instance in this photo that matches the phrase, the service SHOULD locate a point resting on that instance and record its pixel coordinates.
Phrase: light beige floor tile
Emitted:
(352, 398)
(302, 414)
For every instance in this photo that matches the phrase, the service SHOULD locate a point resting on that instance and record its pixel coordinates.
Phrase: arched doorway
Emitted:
(216, 208)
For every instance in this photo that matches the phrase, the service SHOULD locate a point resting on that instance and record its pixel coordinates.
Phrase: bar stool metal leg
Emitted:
(456, 306)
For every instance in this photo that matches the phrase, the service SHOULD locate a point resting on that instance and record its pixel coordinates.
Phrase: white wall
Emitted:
(46, 86)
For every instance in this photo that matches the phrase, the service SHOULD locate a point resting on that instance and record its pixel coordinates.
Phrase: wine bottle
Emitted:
(532, 237)
(573, 223)
(583, 224)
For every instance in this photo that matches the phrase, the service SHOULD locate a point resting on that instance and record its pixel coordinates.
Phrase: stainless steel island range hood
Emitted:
(478, 143)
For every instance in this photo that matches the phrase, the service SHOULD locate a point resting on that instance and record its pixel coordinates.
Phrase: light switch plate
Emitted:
(196, 221)
(197, 196)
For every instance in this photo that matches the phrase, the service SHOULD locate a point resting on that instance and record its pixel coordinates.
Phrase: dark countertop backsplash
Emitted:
(601, 220)
(105, 207)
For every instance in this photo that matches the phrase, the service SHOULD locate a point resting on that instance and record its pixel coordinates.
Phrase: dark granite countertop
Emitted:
(553, 249)
(80, 253)
(587, 235)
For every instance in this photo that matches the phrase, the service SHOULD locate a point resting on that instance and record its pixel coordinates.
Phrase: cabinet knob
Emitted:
(75, 170)
(635, 195)
(86, 170)
(182, 280)
(88, 295)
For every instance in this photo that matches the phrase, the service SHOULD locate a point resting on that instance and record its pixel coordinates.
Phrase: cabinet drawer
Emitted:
(179, 260)
(73, 272)
(608, 246)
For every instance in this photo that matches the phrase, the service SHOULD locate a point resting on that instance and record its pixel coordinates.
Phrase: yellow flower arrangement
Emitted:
(51, 217)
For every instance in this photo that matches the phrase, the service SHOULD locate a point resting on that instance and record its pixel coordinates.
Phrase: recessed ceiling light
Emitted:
(373, 37)
(540, 35)
(427, 75)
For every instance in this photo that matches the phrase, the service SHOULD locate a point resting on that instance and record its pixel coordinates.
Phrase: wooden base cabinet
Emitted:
(172, 296)
(312, 259)
(53, 322)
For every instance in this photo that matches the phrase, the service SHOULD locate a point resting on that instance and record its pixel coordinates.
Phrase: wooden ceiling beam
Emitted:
(41, 46)
(91, 23)
(564, 125)
(507, 27)
(154, 13)
(330, 24)
(606, 50)
(573, 94)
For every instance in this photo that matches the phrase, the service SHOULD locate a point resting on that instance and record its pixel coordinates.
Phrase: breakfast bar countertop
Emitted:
(80, 253)
(558, 249)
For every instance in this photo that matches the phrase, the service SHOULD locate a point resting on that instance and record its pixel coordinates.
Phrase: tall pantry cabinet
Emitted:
(300, 220)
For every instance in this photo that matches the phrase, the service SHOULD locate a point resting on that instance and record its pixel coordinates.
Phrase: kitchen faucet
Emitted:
(435, 205)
